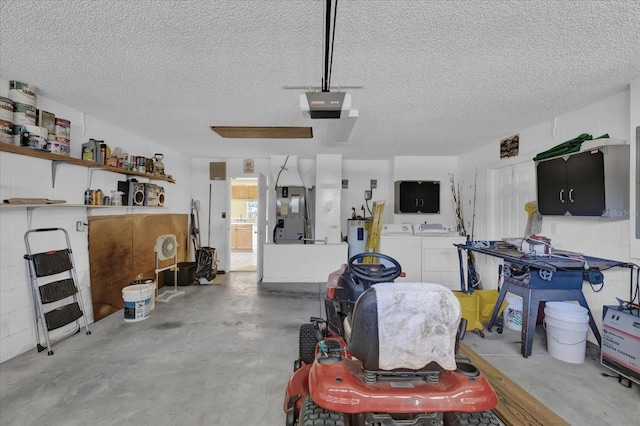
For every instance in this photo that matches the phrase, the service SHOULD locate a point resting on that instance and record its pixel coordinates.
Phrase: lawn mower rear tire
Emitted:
(465, 419)
(307, 343)
(312, 415)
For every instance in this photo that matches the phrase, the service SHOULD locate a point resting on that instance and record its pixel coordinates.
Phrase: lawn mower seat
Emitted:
(405, 326)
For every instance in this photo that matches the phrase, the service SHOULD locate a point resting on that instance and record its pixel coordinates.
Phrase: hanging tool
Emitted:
(473, 278)
(195, 225)
(534, 219)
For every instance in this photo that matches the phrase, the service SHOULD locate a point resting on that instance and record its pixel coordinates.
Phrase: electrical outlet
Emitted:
(367, 194)
(345, 183)
(374, 183)
(80, 226)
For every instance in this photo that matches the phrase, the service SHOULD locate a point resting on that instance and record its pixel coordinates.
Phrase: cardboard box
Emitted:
(620, 349)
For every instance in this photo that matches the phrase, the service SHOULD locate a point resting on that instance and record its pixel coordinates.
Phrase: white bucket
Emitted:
(137, 302)
(152, 283)
(569, 312)
(567, 326)
(513, 312)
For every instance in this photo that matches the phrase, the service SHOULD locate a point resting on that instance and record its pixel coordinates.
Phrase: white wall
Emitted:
(591, 236)
(359, 174)
(22, 176)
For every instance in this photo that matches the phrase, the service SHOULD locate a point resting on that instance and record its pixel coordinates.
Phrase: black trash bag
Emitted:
(207, 263)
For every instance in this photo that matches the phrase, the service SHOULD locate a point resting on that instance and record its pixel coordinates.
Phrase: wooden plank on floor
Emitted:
(516, 407)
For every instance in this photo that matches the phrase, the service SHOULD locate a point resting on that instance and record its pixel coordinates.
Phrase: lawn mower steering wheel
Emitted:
(389, 273)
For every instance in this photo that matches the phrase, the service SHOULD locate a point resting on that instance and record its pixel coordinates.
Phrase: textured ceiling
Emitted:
(434, 77)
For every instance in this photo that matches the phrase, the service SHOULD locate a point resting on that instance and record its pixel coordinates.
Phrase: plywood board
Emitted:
(122, 250)
(515, 405)
(110, 262)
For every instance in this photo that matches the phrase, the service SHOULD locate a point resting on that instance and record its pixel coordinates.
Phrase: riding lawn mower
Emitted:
(386, 355)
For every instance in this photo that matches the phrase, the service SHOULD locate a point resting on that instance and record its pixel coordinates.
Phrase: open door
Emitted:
(262, 224)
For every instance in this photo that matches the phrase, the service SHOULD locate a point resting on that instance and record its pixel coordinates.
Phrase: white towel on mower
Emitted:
(417, 324)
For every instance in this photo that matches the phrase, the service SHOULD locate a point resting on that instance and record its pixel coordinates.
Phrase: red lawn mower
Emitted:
(386, 355)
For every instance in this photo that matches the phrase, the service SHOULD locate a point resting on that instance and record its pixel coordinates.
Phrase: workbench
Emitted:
(539, 279)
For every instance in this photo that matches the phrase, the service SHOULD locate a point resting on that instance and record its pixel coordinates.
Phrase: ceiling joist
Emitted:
(271, 132)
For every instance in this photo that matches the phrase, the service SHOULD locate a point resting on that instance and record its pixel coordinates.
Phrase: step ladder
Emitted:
(54, 288)
(373, 240)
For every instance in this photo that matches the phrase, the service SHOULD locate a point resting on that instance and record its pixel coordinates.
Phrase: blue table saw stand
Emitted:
(541, 279)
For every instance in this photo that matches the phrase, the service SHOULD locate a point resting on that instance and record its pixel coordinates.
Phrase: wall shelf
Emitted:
(62, 159)
(87, 206)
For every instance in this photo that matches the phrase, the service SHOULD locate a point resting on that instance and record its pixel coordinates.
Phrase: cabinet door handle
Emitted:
(571, 195)
(561, 195)
(416, 202)
(422, 202)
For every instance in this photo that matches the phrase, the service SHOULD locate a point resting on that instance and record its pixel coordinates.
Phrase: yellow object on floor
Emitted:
(469, 307)
(478, 306)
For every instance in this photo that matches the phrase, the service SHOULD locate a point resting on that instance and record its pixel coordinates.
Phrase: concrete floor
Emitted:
(222, 355)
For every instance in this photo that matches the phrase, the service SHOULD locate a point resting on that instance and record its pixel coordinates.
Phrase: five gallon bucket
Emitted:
(513, 312)
(567, 325)
(137, 302)
(151, 283)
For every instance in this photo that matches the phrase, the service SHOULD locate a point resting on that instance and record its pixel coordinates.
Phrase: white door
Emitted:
(261, 224)
(513, 187)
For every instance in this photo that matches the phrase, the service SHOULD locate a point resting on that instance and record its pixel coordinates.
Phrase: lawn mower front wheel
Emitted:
(313, 415)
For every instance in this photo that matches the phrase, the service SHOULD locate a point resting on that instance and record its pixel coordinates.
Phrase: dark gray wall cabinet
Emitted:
(589, 183)
(412, 196)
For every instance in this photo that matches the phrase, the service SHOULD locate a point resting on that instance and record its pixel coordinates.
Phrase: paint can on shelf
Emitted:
(63, 145)
(63, 128)
(54, 146)
(6, 132)
(6, 109)
(24, 93)
(24, 114)
(32, 137)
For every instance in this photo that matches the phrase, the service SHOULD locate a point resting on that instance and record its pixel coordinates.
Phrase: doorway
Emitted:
(244, 220)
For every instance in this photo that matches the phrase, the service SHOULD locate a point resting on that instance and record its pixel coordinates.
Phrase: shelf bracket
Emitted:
(29, 217)
(54, 168)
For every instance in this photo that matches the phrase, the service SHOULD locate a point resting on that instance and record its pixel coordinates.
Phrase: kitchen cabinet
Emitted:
(253, 193)
(417, 197)
(589, 183)
(241, 236)
(244, 192)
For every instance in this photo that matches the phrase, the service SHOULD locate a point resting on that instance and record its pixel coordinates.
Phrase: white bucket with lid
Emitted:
(512, 313)
(137, 302)
(149, 282)
(567, 325)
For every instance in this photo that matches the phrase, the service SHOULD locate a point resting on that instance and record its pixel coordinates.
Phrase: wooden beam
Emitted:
(275, 132)
(516, 407)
